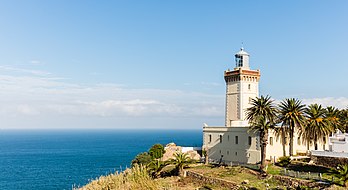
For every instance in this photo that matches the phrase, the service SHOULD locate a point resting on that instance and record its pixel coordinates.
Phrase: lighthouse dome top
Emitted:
(242, 52)
(242, 59)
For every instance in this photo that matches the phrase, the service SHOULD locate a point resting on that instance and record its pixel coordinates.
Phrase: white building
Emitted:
(339, 143)
(338, 147)
(234, 141)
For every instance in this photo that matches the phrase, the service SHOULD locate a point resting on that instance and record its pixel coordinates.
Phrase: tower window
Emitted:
(249, 140)
(239, 61)
(209, 138)
(236, 139)
(220, 138)
(249, 86)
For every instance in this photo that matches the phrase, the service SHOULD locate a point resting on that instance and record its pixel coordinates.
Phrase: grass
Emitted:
(138, 178)
(237, 174)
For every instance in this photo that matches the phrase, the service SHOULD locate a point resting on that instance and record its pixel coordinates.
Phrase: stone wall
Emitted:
(288, 181)
(331, 162)
(214, 181)
(293, 182)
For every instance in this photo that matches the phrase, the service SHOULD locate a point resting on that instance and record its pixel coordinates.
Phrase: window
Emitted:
(236, 153)
(228, 137)
(249, 86)
(239, 61)
(249, 140)
(271, 140)
(236, 140)
(228, 152)
(209, 138)
(220, 138)
(220, 151)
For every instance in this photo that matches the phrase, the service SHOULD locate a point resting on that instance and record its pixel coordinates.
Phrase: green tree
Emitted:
(261, 116)
(317, 127)
(142, 159)
(344, 119)
(332, 116)
(291, 116)
(156, 151)
(180, 161)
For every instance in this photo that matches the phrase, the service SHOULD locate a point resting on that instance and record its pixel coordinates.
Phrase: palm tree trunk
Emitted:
(283, 142)
(291, 141)
(264, 138)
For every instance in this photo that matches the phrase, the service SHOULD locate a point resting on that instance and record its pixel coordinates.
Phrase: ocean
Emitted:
(61, 159)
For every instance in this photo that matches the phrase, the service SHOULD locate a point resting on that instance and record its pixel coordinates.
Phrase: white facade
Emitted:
(234, 142)
(339, 142)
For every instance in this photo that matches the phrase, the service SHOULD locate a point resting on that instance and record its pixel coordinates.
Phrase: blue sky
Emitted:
(159, 64)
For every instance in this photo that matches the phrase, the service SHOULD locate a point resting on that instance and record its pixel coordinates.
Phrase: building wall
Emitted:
(244, 152)
(240, 89)
(274, 148)
(247, 94)
(339, 143)
(222, 141)
(232, 99)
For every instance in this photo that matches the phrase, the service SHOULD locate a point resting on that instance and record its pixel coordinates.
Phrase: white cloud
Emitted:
(34, 95)
(35, 62)
(16, 70)
(341, 102)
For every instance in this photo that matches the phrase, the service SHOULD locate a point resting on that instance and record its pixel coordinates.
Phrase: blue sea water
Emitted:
(59, 159)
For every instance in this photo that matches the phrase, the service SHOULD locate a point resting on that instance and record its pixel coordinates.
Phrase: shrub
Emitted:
(284, 161)
(142, 159)
(342, 174)
(156, 151)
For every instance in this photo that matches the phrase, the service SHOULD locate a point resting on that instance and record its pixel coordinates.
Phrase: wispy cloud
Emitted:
(17, 70)
(31, 94)
(36, 62)
(341, 102)
(43, 95)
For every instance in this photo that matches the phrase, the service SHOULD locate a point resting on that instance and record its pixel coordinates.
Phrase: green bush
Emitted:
(284, 161)
(142, 159)
(156, 151)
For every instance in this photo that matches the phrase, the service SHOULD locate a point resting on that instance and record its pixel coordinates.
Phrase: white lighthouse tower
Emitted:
(242, 85)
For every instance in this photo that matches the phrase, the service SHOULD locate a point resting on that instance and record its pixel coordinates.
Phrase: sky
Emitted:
(159, 64)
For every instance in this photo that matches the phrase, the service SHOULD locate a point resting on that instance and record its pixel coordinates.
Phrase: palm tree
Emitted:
(180, 161)
(155, 167)
(332, 115)
(344, 119)
(291, 116)
(317, 127)
(261, 116)
(262, 106)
